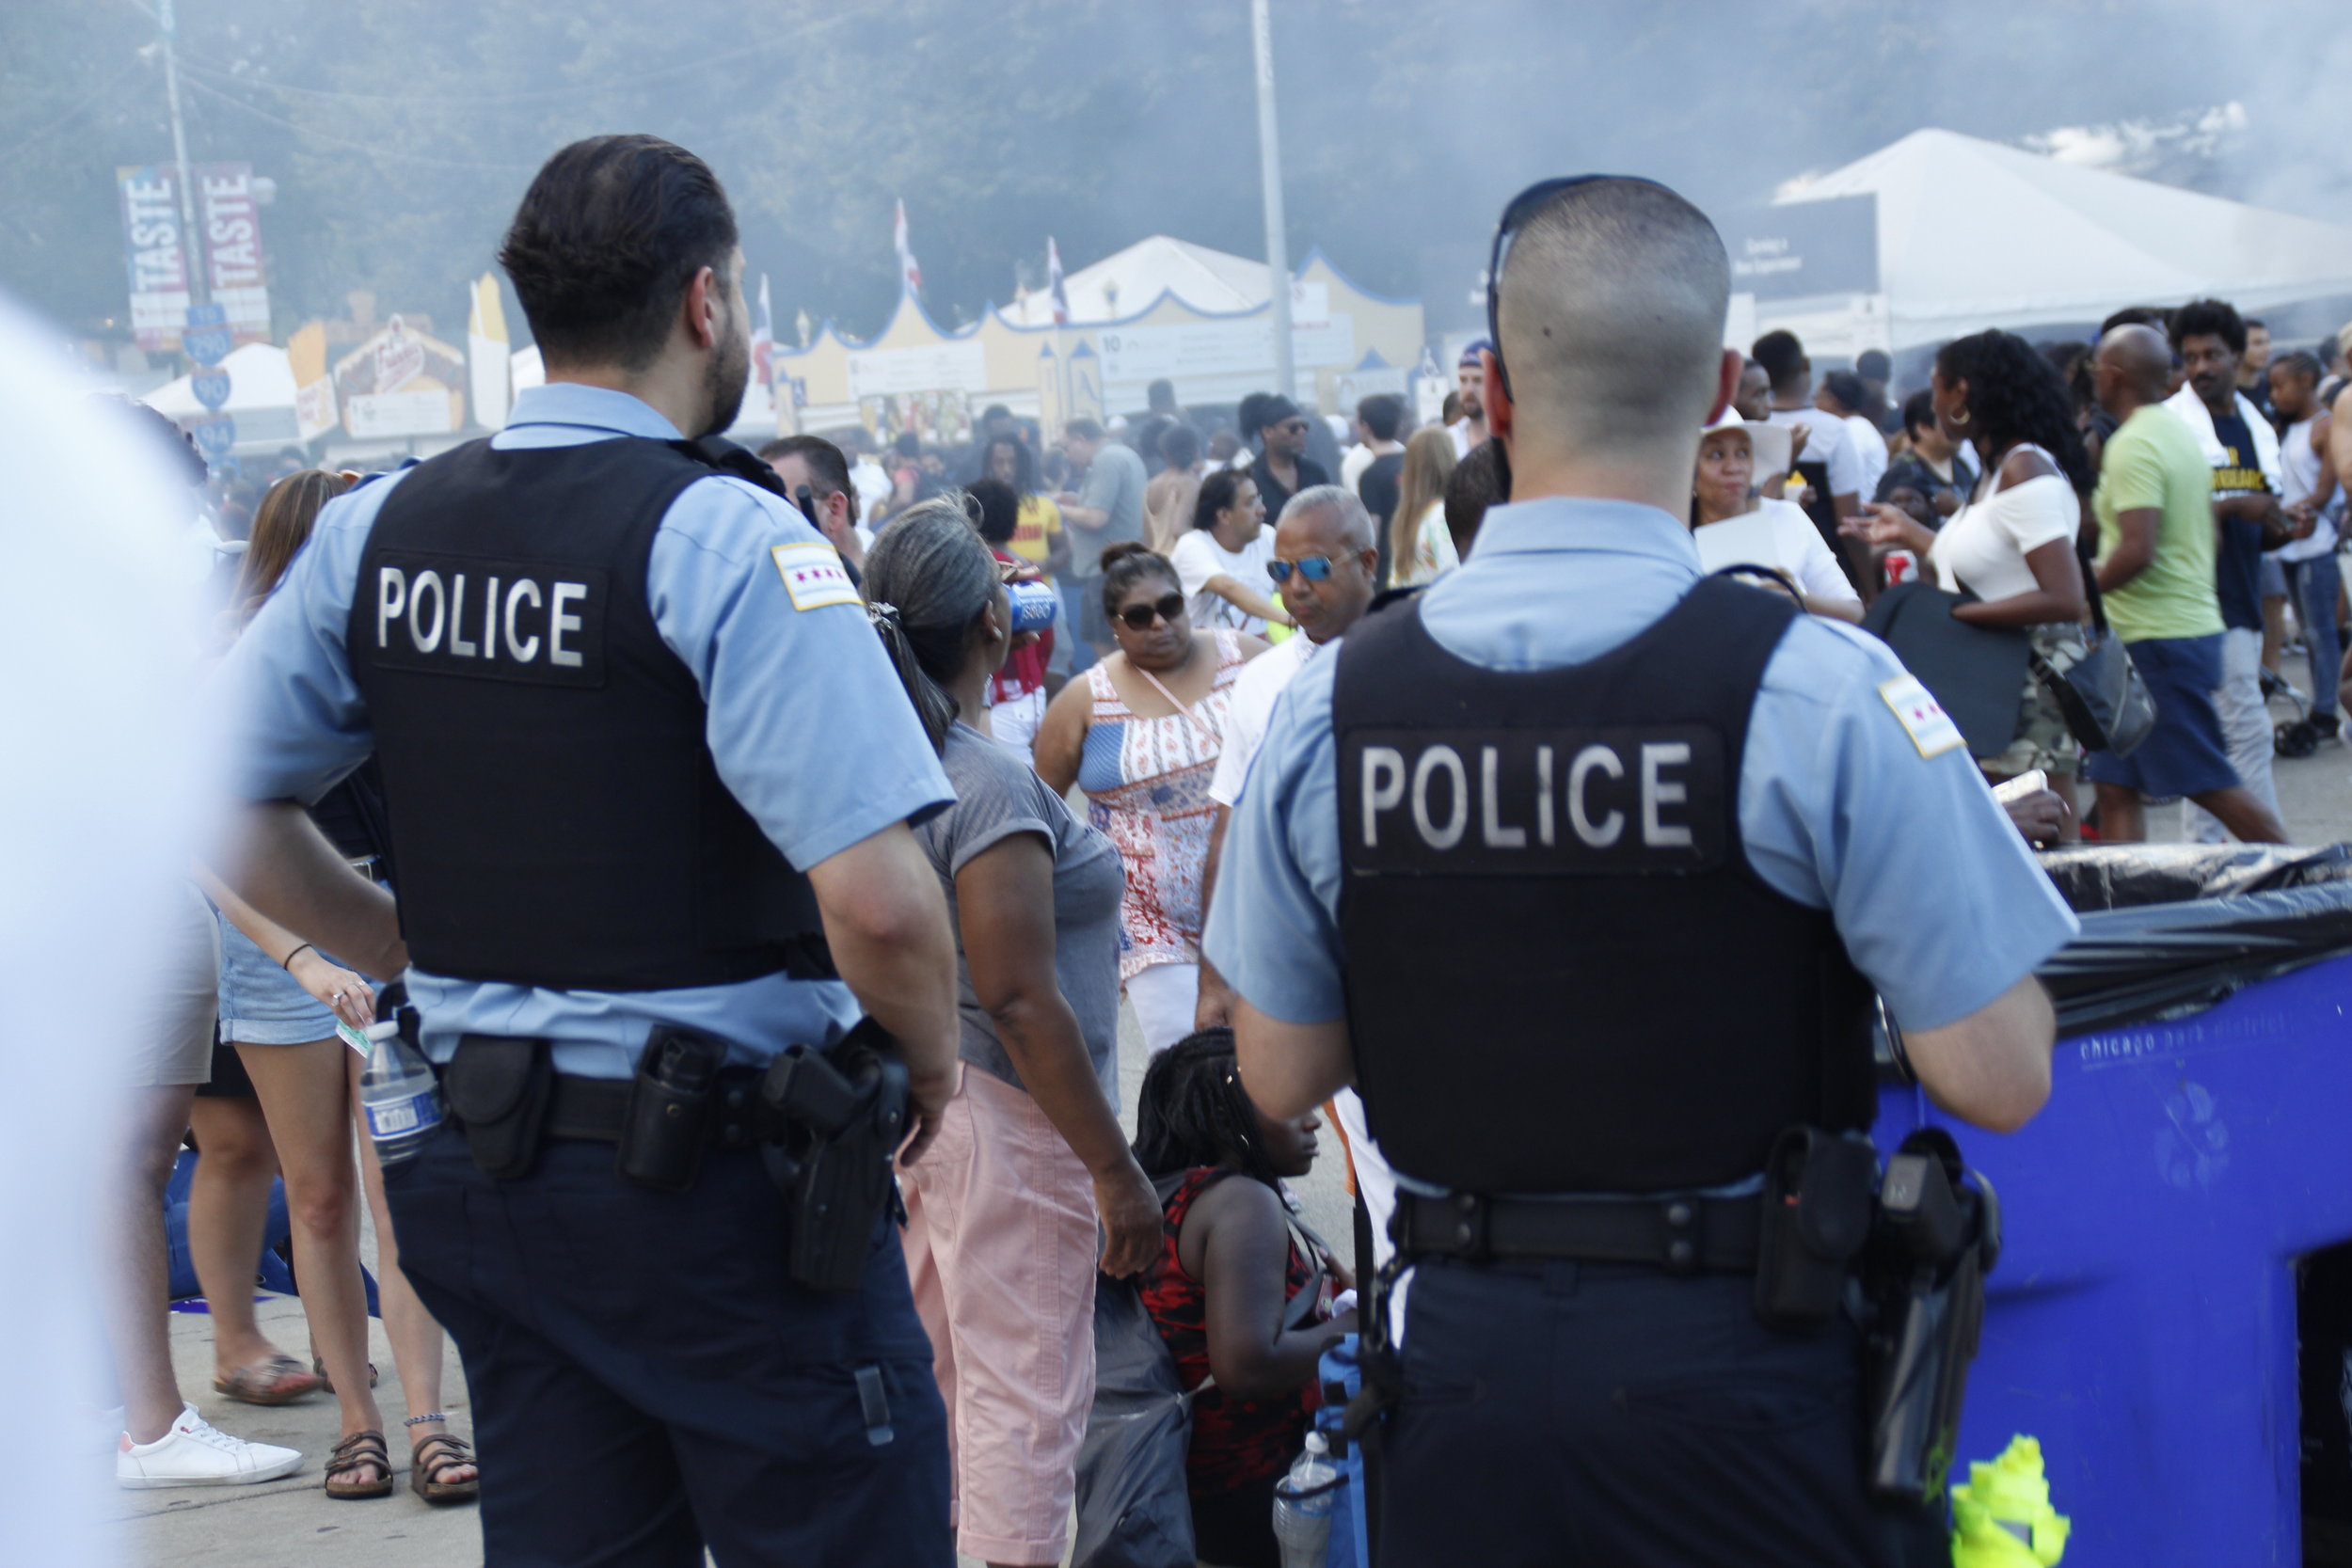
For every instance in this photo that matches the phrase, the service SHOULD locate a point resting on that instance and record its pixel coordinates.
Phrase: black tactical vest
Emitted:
(1563, 974)
(553, 805)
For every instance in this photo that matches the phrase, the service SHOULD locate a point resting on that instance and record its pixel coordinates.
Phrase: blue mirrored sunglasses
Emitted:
(1315, 568)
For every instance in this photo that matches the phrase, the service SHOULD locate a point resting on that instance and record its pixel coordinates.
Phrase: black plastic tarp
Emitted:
(2169, 930)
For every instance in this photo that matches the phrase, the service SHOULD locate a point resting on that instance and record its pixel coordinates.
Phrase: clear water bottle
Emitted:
(399, 1094)
(1303, 1502)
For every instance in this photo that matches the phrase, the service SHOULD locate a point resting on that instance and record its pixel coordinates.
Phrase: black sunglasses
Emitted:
(1507, 229)
(1141, 616)
(1315, 568)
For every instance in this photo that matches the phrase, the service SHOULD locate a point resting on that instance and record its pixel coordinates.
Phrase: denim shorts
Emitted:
(260, 1002)
(2184, 754)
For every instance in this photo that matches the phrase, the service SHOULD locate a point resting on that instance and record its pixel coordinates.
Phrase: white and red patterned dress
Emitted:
(1147, 788)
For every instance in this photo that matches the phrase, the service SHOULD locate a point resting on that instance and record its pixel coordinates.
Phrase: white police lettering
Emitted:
(1383, 787)
(1635, 800)
(1656, 792)
(458, 643)
(1447, 758)
(490, 622)
(560, 621)
(1492, 830)
(425, 642)
(527, 649)
(1592, 760)
(391, 597)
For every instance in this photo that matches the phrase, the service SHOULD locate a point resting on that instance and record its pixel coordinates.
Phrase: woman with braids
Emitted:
(1000, 1235)
(1224, 1292)
(1141, 735)
(2012, 548)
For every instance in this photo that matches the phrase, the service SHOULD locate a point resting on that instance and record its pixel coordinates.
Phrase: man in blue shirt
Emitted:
(651, 782)
(1651, 886)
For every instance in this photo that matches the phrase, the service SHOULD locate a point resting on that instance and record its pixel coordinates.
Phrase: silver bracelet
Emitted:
(419, 1421)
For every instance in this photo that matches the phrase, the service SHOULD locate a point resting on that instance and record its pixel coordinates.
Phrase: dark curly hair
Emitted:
(2208, 318)
(1193, 1112)
(2015, 394)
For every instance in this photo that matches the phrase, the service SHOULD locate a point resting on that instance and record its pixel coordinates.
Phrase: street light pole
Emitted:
(191, 253)
(1270, 178)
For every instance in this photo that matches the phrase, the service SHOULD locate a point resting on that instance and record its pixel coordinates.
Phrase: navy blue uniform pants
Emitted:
(1582, 1416)
(647, 1380)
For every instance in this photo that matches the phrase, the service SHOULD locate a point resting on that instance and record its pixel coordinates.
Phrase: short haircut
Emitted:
(1000, 508)
(1609, 314)
(1383, 414)
(2253, 321)
(828, 471)
(2135, 315)
(1354, 522)
(1847, 388)
(2299, 362)
(1782, 358)
(995, 411)
(1161, 396)
(2208, 318)
(1083, 429)
(1475, 484)
(1180, 445)
(1215, 494)
(1918, 411)
(908, 444)
(605, 243)
(1873, 365)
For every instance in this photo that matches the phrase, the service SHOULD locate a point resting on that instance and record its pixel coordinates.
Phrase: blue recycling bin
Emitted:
(2141, 1322)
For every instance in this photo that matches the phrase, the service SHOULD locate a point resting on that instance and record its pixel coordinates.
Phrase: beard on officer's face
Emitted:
(730, 368)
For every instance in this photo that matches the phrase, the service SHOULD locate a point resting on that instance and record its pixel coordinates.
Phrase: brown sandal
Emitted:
(361, 1450)
(273, 1380)
(433, 1457)
(318, 1369)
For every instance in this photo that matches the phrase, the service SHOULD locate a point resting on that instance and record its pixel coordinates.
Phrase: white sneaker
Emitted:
(194, 1453)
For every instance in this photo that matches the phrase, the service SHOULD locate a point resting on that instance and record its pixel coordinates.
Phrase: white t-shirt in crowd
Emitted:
(1353, 463)
(1255, 689)
(1198, 557)
(1983, 548)
(1870, 447)
(871, 485)
(1777, 535)
(1828, 443)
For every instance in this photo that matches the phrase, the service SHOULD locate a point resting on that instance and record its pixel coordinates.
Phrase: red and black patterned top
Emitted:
(1233, 1441)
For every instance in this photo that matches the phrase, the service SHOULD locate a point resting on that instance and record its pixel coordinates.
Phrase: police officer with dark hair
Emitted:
(1581, 866)
(649, 779)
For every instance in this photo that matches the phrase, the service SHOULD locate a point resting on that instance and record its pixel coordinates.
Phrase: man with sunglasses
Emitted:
(1283, 469)
(1583, 867)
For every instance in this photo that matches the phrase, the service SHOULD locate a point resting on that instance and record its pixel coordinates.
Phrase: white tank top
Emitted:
(2299, 474)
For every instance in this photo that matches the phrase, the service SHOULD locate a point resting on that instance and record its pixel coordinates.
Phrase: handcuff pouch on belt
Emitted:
(844, 1114)
(499, 1087)
(1936, 1239)
(1815, 1218)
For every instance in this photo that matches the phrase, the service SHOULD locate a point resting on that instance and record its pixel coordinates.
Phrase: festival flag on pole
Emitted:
(1053, 283)
(764, 339)
(908, 272)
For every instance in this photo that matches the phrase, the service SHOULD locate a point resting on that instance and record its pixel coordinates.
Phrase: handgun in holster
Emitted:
(844, 1114)
(1937, 1235)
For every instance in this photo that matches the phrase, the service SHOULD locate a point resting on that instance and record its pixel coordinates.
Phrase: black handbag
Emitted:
(2104, 701)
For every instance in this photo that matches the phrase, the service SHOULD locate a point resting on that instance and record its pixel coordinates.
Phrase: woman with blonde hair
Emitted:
(1419, 548)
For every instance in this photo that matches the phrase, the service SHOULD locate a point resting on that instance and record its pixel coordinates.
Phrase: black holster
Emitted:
(499, 1087)
(670, 1106)
(844, 1116)
(1935, 1240)
(1816, 1217)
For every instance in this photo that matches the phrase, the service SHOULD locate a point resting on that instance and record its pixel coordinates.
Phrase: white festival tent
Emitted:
(260, 397)
(1973, 234)
(1130, 279)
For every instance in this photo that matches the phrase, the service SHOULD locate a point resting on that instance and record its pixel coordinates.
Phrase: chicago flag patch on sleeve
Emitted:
(1922, 716)
(814, 576)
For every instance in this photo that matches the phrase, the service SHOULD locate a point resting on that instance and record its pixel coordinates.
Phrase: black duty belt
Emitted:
(595, 1110)
(1681, 1235)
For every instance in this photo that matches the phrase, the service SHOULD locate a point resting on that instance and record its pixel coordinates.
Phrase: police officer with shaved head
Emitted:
(1581, 866)
(681, 969)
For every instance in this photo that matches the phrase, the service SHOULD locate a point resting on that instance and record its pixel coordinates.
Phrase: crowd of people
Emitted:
(2165, 486)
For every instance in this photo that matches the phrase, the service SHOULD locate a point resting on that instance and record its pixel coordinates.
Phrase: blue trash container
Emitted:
(2141, 1322)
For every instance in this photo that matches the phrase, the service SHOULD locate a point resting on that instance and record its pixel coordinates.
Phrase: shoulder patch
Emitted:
(814, 576)
(1922, 716)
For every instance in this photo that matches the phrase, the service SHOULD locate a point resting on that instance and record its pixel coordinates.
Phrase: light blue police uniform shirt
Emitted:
(1939, 903)
(808, 724)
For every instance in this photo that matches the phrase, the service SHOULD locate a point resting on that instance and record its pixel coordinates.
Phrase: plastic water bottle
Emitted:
(399, 1094)
(1303, 1504)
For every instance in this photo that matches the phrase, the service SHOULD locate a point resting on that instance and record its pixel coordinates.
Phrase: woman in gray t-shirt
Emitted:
(1002, 1209)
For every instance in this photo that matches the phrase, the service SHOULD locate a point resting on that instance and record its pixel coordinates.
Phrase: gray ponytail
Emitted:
(927, 578)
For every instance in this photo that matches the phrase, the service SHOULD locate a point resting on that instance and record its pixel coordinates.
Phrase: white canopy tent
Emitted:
(1973, 234)
(261, 398)
(1127, 281)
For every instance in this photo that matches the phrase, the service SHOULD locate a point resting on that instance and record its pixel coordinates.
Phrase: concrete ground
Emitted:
(290, 1524)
